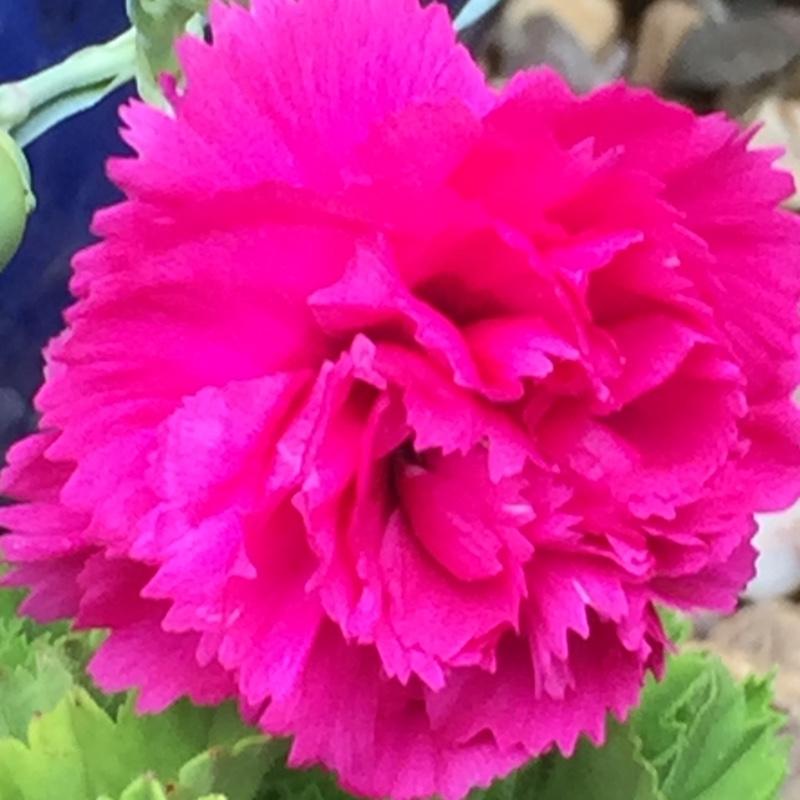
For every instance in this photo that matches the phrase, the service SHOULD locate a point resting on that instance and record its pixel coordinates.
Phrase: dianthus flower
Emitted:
(391, 405)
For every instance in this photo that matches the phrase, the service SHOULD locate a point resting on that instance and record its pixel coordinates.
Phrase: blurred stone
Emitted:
(742, 102)
(759, 639)
(791, 789)
(580, 39)
(543, 40)
(778, 536)
(780, 119)
(616, 63)
(663, 28)
(762, 636)
(633, 10)
(595, 23)
(737, 52)
(478, 37)
(748, 8)
(703, 623)
(719, 10)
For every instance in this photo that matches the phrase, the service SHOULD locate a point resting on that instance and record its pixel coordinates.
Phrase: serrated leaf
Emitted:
(61, 738)
(37, 666)
(616, 770)
(235, 772)
(220, 773)
(145, 788)
(282, 783)
(697, 735)
(26, 692)
(710, 738)
(148, 788)
(610, 773)
(163, 743)
(677, 625)
(64, 757)
(17, 631)
(78, 751)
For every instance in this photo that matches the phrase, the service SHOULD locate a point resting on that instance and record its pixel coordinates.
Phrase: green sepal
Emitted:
(158, 24)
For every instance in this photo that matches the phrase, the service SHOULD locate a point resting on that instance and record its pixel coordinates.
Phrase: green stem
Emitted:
(78, 81)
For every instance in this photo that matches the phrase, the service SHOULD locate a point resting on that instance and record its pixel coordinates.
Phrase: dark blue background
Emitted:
(69, 182)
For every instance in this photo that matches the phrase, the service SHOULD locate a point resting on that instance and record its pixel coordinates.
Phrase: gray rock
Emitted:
(543, 40)
(734, 53)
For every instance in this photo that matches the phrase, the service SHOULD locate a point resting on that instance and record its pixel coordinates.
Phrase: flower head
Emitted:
(391, 405)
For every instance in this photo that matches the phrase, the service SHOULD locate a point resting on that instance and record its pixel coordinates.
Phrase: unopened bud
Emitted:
(16, 198)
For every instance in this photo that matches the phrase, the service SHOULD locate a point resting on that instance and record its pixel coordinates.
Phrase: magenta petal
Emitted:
(172, 656)
(390, 406)
(467, 523)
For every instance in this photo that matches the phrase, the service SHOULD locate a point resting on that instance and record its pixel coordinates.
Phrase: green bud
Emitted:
(16, 198)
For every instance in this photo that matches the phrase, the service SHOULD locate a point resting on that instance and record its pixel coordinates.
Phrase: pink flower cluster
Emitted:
(390, 405)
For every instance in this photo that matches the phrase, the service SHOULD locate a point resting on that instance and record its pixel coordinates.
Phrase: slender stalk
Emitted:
(112, 63)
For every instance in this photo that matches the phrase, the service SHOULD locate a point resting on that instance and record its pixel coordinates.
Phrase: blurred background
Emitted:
(741, 57)
(69, 182)
(738, 56)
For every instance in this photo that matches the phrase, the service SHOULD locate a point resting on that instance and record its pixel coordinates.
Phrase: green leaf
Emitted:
(219, 773)
(697, 735)
(78, 751)
(710, 738)
(10, 601)
(235, 772)
(63, 757)
(678, 626)
(283, 783)
(26, 691)
(62, 738)
(145, 788)
(616, 770)
(35, 672)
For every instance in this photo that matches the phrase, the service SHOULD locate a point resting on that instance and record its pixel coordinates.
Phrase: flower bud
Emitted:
(16, 197)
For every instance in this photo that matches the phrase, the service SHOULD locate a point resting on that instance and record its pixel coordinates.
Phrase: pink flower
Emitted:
(390, 405)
